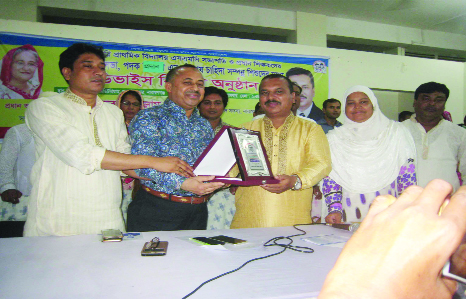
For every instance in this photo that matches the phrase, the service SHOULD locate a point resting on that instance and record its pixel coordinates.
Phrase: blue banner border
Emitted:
(48, 41)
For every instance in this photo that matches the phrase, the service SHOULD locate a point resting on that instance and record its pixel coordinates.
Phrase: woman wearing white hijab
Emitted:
(371, 156)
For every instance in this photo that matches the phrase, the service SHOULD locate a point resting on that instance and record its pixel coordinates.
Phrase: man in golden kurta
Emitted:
(299, 155)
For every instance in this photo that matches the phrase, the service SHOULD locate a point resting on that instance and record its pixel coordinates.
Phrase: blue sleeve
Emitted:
(146, 139)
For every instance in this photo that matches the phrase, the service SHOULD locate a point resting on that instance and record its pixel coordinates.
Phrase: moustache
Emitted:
(272, 101)
(194, 92)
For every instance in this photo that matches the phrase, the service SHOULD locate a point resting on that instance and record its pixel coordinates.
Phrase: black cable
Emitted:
(271, 242)
(229, 272)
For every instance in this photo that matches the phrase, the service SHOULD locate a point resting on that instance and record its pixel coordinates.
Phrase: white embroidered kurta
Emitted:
(71, 194)
(439, 151)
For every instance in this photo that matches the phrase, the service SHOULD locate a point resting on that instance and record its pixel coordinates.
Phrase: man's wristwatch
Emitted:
(298, 183)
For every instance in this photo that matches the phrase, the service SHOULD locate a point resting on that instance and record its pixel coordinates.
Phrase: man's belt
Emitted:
(183, 199)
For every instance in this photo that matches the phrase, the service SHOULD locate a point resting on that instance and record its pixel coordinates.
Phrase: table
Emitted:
(83, 267)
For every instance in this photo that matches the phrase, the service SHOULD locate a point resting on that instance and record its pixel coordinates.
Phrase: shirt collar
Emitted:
(170, 105)
(288, 119)
(413, 118)
(307, 111)
(221, 124)
(78, 100)
(322, 121)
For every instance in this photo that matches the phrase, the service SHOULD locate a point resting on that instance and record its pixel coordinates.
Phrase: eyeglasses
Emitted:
(128, 103)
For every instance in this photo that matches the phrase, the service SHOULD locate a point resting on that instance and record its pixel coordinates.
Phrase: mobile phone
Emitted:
(112, 235)
(227, 239)
(149, 250)
(207, 241)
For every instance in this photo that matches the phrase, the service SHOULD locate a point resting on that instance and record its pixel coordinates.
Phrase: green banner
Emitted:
(144, 68)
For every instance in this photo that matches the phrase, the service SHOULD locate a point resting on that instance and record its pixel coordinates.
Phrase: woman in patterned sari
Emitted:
(130, 102)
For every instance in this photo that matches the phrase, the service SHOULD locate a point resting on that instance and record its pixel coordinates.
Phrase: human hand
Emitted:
(401, 247)
(286, 183)
(233, 189)
(197, 186)
(173, 164)
(316, 192)
(11, 196)
(333, 217)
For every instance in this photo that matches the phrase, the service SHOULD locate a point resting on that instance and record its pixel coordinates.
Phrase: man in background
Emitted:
(440, 144)
(332, 110)
(305, 80)
(404, 115)
(212, 107)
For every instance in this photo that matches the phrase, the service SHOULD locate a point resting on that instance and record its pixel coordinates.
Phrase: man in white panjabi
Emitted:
(440, 144)
(80, 149)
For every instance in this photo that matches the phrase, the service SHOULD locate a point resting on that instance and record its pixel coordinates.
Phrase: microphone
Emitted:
(346, 226)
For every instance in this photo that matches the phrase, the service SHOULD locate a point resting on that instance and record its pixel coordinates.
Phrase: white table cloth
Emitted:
(83, 267)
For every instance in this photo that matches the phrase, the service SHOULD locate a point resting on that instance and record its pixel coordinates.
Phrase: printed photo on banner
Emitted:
(21, 74)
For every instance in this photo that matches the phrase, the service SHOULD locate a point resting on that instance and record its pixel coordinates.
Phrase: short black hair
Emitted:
(431, 87)
(70, 55)
(133, 93)
(332, 100)
(404, 114)
(214, 90)
(300, 71)
(299, 87)
(275, 76)
(172, 73)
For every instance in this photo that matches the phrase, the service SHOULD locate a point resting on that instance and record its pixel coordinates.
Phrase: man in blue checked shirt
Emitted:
(169, 201)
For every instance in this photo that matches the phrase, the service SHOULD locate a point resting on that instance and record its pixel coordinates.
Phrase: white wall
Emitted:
(388, 103)
(347, 67)
(302, 28)
(406, 101)
(399, 35)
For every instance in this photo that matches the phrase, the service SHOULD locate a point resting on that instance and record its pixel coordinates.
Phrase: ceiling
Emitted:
(438, 15)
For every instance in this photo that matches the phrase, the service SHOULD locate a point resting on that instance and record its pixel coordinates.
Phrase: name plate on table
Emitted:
(236, 146)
